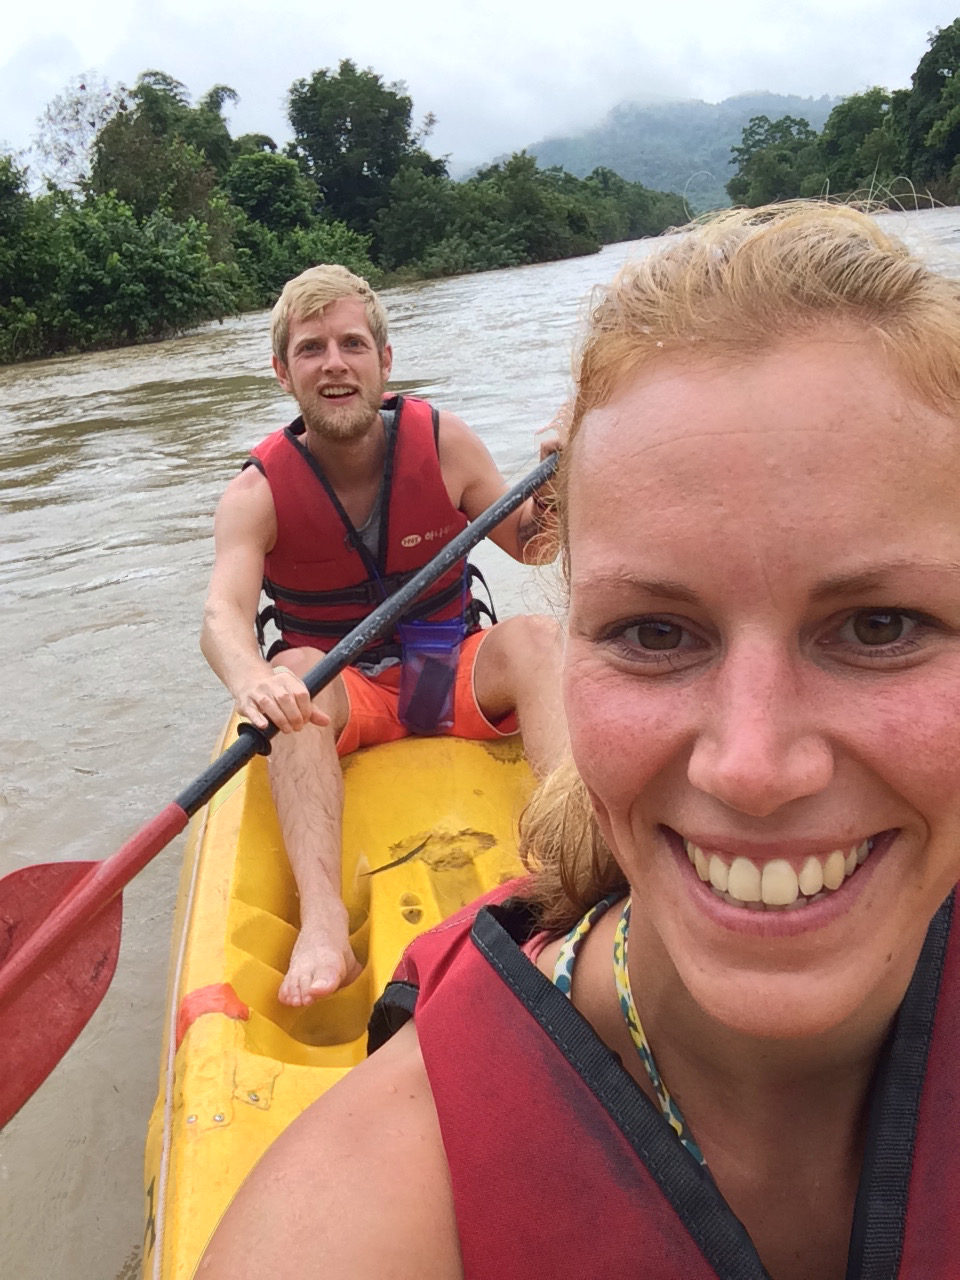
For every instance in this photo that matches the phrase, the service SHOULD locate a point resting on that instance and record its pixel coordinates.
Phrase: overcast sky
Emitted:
(498, 74)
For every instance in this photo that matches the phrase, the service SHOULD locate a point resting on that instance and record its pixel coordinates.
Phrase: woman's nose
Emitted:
(760, 742)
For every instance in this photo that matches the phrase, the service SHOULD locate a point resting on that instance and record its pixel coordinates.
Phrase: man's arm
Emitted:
(474, 483)
(244, 531)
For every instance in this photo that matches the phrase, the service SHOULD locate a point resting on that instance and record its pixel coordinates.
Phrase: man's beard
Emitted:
(342, 423)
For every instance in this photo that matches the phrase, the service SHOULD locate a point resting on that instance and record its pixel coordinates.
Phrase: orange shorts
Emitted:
(373, 705)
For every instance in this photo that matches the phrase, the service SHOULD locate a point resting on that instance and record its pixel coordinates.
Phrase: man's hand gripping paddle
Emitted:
(60, 921)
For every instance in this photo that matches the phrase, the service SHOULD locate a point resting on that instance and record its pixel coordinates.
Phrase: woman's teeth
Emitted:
(776, 884)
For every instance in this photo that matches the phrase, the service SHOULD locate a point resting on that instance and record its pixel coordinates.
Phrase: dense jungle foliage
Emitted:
(154, 219)
(891, 147)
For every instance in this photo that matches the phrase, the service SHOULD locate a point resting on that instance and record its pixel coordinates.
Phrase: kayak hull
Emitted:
(429, 825)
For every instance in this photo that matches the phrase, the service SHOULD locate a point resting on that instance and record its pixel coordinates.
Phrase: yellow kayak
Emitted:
(429, 825)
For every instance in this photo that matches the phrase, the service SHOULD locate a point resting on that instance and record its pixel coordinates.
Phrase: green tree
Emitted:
(761, 133)
(205, 128)
(15, 210)
(858, 147)
(943, 140)
(249, 144)
(163, 104)
(178, 223)
(547, 219)
(125, 280)
(352, 134)
(629, 210)
(31, 250)
(928, 116)
(608, 193)
(418, 214)
(776, 160)
(150, 171)
(271, 189)
(267, 259)
(478, 235)
(163, 153)
(89, 274)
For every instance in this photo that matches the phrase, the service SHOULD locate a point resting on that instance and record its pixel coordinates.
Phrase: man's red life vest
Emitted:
(562, 1168)
(321, 578)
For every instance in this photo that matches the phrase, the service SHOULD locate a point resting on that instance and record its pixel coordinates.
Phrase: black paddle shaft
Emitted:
(253, 741)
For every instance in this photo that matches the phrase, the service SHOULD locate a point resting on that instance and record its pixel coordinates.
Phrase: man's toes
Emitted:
(325, 980)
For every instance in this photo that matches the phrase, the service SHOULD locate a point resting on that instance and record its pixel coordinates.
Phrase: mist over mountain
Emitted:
(675, 146)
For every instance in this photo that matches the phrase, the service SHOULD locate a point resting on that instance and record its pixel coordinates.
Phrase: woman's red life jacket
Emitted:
(320, 577)
(562, 1168)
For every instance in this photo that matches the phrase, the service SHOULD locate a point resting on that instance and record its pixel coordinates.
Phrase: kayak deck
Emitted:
(429, 825)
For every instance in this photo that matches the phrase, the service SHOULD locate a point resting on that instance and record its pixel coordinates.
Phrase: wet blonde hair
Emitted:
(729, 288)
(307, 294)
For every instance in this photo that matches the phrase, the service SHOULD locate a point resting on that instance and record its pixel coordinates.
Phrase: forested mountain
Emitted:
(676, 146)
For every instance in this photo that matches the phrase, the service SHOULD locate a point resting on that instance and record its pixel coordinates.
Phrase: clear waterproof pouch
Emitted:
(430, 653)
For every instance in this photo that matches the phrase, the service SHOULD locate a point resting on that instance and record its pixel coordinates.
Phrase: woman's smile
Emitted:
(779, 883)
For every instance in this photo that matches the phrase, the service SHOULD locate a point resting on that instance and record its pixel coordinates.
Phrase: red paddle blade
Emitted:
(42, 1019)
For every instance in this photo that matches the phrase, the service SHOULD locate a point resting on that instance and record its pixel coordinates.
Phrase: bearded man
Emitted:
(329, 516)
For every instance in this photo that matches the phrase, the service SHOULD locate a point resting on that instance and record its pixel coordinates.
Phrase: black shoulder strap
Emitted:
(391, 1011)
(879, 1219)
(353, 537)
(392, 430)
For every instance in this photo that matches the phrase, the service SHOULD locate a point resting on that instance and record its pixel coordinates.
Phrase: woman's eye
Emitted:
(882, 634)
(881, 626)
(655, 633)
(656, 643)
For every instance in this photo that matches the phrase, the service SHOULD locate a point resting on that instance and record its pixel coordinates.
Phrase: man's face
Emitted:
(334, 370)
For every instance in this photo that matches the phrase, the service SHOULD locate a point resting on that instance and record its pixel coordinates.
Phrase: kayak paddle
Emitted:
(60, 922)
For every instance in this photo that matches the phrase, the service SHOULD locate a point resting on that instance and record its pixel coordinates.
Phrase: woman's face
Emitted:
(763, 671)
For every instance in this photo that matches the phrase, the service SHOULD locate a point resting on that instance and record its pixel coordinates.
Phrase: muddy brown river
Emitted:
(110, 468)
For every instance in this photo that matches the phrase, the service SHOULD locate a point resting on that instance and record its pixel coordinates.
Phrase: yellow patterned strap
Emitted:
(567, 955)
(621, 973)
(563, 980)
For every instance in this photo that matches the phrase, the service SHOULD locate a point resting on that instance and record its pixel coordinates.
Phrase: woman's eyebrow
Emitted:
(877, 577)
(662, 588)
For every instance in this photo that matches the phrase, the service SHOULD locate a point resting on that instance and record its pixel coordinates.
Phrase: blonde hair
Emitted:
(307, 294)
(731, 287)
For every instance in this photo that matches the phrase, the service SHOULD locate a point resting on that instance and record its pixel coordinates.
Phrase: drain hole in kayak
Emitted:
(411, 908)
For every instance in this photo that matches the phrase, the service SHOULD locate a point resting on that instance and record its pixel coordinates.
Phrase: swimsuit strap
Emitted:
(567, 955)
(671, 1112)
(563, 980)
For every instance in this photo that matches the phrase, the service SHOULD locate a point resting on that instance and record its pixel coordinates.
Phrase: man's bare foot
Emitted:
(318, 968)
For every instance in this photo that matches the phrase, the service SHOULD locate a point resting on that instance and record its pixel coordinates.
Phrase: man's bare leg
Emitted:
(518, 668)
(307, 785)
